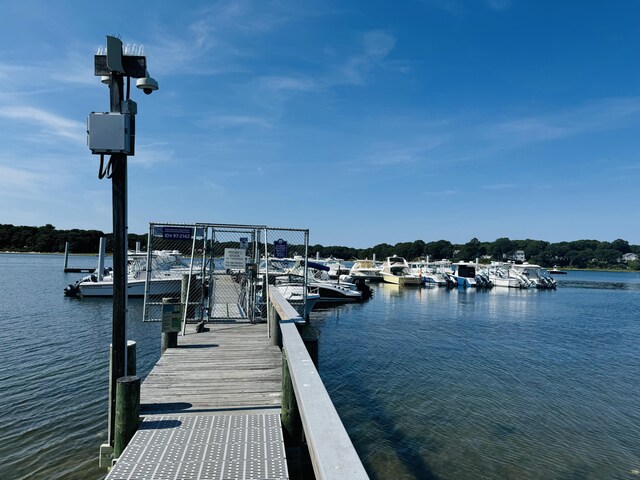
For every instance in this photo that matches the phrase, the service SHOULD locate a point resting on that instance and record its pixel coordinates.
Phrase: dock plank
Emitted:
(211, 409)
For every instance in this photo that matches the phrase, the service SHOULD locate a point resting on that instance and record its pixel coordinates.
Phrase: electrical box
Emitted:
(171, 315)
(110, 133)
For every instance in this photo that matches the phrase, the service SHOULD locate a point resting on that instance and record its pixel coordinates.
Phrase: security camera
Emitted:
(147, 84)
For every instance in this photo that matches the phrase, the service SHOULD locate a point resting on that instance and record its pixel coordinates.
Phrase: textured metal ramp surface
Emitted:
(205, 447)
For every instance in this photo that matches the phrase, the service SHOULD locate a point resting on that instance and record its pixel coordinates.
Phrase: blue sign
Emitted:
(173, 233)
(244, 242)
(280, 247)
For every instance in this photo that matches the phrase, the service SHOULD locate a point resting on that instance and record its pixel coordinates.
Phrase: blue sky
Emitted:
(364, 121)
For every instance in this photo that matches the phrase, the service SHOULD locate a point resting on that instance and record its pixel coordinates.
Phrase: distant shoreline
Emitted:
(564, 269)
(7, 252)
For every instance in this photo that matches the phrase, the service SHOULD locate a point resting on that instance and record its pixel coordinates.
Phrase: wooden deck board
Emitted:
(225, 364)
(227, 378)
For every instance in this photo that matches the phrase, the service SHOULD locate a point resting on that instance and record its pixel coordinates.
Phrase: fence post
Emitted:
(127, 412)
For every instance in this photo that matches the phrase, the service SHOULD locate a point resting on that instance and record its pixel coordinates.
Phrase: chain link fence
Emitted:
(218, 273)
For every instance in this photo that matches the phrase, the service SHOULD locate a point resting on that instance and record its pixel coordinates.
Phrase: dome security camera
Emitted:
(147, 84)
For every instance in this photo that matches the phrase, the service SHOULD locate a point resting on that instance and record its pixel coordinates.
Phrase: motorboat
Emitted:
(501, 275)
(164, 276)
(534, 275)
(295, 295)
(468, 275)
(286, 276)
(336, 267)
(431, 273)
(396, 270)
(366, 270)
(556, 271)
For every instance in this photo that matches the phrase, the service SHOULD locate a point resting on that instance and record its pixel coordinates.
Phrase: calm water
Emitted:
(430, 383)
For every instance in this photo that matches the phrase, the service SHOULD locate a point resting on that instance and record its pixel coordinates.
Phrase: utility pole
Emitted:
(113, 134)
(119, 205)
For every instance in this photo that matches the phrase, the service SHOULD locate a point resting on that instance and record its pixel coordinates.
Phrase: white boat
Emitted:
(336, 267)
(318, 277)
(535, 275)
(365, 269)
(165, 276)
(294, 294)
(501, 275)
(396, 270)
(431, 273)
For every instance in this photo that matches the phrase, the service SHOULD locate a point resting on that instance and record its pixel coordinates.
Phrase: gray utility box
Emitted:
(110, 133)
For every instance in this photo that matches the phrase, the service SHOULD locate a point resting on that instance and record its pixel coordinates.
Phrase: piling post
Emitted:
(102, 251)
(131, 358)
(66, 255)
(127, 412)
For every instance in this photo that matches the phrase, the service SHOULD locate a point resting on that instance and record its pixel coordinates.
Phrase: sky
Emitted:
(366, 122)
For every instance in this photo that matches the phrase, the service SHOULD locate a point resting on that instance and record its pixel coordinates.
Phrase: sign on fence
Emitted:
(173, 233)
(235, 258)
(244, 242)
(280, 248)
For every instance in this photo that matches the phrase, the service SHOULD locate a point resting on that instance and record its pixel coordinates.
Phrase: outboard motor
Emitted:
(72, 290)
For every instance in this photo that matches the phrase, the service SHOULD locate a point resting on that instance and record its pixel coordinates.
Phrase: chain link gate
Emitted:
(218, 272)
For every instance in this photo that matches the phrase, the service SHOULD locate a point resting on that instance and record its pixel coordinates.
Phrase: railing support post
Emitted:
(275, 333)
(290, 414)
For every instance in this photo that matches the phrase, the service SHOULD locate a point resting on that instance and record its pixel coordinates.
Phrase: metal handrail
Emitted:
(332, 453)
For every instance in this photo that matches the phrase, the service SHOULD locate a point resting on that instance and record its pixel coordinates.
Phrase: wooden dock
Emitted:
(215, 406)
(211, 409)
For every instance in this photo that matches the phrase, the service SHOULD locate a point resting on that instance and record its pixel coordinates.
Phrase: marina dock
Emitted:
(220, 404)
(211, 409)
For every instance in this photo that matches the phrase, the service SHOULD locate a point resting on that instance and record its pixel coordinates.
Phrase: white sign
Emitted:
(235, 258)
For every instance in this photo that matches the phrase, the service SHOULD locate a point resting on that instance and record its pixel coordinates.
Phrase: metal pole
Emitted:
(119, 202)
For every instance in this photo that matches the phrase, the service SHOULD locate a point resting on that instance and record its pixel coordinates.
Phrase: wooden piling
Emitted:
(66, 255)
(131, 357)
(127, 412)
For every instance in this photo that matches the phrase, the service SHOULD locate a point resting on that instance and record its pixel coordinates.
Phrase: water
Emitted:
(430, 383)
(436, 383)
(54, 369)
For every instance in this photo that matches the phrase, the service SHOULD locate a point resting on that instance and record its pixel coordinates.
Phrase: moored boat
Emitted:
(164, 277)
(396, 270)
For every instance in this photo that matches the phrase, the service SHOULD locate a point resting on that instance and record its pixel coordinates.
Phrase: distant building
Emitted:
(518, 256)
(629, 257)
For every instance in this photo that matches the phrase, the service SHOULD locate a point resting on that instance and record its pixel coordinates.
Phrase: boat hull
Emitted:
(135, 288)
(401, 279)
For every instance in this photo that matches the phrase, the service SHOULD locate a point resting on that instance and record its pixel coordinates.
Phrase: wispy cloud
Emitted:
(458, 7)
(501, 186)
(150, 155)
(234, 121)
(595, 116)
(372, 50)
(498, 5)
(442, 193)
(50, 124)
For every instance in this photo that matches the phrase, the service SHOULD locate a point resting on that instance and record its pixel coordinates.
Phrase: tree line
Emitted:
(574, 254)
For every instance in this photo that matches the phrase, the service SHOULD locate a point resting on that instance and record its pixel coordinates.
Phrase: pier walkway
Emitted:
(211, 409)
